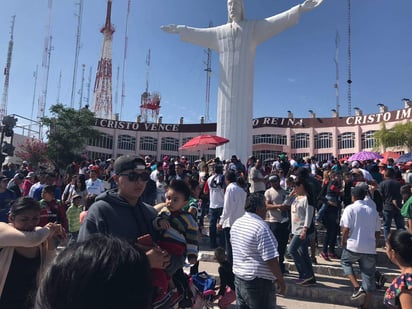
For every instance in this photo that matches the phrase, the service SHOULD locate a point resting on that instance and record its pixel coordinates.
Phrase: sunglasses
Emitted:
(134, 176)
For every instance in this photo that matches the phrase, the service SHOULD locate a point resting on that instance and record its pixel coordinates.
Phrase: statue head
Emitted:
(235, 10)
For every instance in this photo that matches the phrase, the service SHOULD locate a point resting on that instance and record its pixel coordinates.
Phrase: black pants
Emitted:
(281, 232)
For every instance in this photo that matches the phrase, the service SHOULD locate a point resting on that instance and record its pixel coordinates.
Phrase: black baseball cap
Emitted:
(128, 162)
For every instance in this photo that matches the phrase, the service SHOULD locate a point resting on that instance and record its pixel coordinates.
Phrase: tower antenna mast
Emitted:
(349, 81)
(208, 71)
(35, 74)
(81, 88)
(45, 66)
(59, 87)
(123, 97)
(102, 96)
(77, 51)
(116, 93)
(89, 84)
(4, 101)
(337, 40)
(148, 70)
(149, 102)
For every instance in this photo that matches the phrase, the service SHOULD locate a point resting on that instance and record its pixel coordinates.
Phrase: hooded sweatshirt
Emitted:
(113, 215)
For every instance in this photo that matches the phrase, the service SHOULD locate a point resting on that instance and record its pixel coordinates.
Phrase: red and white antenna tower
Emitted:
(4, 101)
(102, 96)
(149, 102)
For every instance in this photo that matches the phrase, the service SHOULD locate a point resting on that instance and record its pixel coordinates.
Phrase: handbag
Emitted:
(406, 210)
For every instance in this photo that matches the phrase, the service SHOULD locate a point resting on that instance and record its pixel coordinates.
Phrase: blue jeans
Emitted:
(367, 266)
(321, 212)
(255, 294)
(214, 215)
(298, 249)
(388, 215)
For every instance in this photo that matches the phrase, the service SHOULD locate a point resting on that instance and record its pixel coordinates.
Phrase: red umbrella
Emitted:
(342, 160)
(389, 154)
(203, 142)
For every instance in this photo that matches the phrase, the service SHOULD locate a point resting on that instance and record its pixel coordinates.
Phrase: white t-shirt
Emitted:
(153, 175)
(234, 204)
(362, 220)
(216, 184)
(160, 192)
(94, 186)
(256, 185)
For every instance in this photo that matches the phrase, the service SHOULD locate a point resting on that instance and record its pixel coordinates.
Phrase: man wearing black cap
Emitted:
(122, 214)
(360, 230)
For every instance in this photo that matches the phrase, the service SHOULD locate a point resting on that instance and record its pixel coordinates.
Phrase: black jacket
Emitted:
(113, 215)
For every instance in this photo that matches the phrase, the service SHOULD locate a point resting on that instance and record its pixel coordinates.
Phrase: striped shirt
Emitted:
(253, 244)
(73, 218)
(183, 229)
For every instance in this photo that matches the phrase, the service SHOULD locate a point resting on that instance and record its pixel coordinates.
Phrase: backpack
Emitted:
(406, 210)
(203, 281)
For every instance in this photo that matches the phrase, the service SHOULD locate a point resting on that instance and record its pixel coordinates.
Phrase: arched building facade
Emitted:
(298, 137)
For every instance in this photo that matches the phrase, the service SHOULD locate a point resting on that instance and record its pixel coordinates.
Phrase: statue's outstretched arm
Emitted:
(271, 26)
(205, 37)
(309, 5)
(171, 28)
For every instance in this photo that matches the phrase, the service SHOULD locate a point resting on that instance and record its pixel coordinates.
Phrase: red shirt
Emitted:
(53, 211)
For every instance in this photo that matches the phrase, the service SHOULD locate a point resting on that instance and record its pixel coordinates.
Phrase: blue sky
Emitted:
(293, 71)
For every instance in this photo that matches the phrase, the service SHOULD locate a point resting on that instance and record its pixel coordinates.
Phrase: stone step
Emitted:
(329, 268)
(334, 269)
(381, 257)
(328, 289)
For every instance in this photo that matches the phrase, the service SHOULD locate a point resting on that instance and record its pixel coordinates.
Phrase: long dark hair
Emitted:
(401, 242)
(82, 179)
(100, 273)
(306, 185)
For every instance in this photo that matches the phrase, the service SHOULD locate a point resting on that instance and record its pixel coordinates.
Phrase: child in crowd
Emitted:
(73, 217)
(52, 209)
(193, 207)
(178, 236)
(398, 250)
(226, 294)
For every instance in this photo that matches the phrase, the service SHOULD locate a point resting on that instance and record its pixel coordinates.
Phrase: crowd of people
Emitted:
(258, 214)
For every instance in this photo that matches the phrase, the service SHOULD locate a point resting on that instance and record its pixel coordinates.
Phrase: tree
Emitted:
(34, 151)
(399, 135)
(69, 131)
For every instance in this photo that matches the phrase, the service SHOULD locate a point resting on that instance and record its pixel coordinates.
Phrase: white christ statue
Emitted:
(236, 44)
